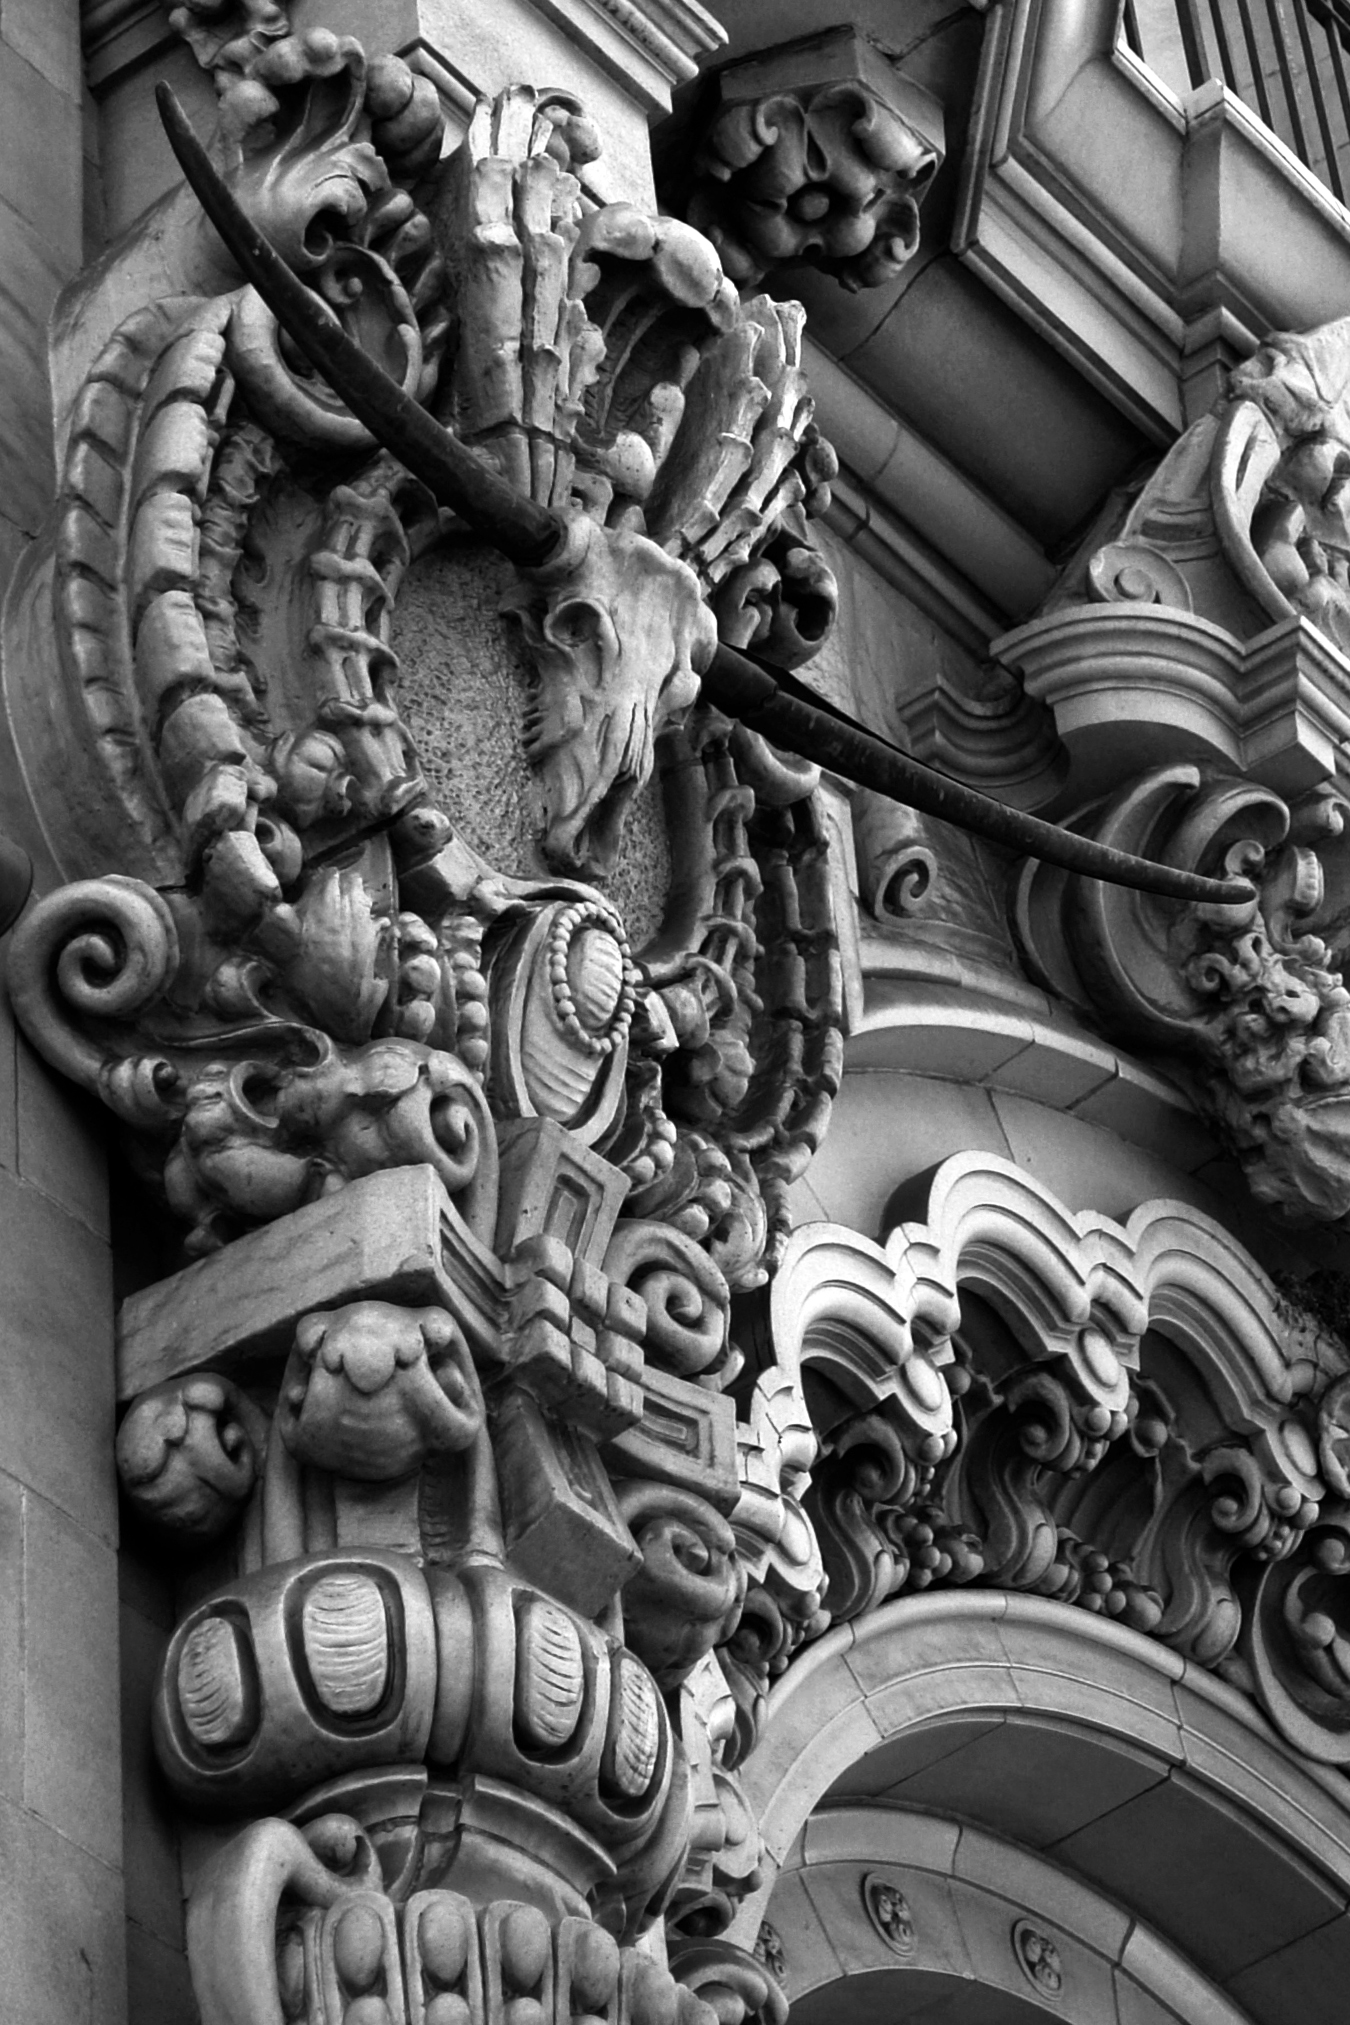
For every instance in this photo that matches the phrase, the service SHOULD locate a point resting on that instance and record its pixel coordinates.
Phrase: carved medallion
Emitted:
(888, 1909)
(1038, 1958)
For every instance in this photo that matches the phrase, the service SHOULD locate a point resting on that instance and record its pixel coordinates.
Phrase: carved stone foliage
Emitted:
(817, 151)
(281, 966)
(510, 1443)
(1252, 997)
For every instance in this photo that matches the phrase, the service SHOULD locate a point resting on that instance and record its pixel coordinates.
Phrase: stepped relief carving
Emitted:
(1214, 621)
(438, 1411)
(817, 151)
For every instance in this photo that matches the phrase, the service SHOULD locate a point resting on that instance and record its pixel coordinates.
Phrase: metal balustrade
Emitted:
(1289, 60)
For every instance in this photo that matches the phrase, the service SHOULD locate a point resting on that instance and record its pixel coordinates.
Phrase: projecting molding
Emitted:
(1150, 239)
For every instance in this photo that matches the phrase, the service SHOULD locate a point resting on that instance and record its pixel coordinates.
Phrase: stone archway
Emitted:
(1011, 1767)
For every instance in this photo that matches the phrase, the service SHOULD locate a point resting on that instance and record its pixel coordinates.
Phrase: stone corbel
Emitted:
(1214, 622)
(817, 150)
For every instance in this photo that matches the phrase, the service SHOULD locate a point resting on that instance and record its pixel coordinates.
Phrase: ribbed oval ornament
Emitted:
(550, 1676)
(346, 1637)
(216, 1690)
(634, 1729)
(595, 973)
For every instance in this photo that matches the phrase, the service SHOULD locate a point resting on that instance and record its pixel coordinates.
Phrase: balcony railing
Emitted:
(1289, 60)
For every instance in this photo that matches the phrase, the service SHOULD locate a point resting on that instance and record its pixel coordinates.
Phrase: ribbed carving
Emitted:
(216, 1690)
(347, 1643)
(550, 1676)
(595, 974)
(634, 1729)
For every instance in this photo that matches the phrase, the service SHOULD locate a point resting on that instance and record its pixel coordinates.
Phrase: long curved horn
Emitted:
(526, 533)
(531, 535)
(790, 716)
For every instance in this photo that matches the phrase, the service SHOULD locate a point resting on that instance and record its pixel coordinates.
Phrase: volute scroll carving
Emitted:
(1250, 999)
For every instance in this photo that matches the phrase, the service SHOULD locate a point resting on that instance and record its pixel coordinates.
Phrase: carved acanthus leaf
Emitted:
(1252, 998)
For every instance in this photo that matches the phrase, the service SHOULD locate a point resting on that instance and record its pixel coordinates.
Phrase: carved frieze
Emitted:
(1135, 1431)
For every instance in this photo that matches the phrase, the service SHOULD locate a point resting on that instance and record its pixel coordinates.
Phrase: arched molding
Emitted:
(1147, 1430)
(879, 1319)
(969, 1902)
(1054, 1274)
(954, 1654)
(1050, 1271)
(878, 1330)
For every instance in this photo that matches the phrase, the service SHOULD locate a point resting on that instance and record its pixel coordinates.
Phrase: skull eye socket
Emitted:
(575, 623)
(583, 630)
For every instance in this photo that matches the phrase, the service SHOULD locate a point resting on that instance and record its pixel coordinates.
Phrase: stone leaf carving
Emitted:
(1251, 997)
(189, 1454)
(1124, 1418)
(312, 943)
(817, 150)
(370, 1391)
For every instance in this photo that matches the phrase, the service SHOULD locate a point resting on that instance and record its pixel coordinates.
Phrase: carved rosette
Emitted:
(814, 151)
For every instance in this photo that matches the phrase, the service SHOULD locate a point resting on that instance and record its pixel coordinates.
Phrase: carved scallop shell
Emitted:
(550, 1676)
(595, 971)
(216, 1690)
(346, 1637)
(634, 1729)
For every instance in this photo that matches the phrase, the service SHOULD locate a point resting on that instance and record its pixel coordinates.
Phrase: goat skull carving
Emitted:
(618, 639)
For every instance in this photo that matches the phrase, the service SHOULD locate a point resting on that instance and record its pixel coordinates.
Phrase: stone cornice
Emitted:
(1150, 239)
(673, 36)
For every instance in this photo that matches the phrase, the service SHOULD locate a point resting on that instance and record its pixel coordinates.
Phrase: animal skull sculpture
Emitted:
(618, 639)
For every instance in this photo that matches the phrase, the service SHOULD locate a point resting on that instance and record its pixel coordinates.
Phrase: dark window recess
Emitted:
(1289, 60)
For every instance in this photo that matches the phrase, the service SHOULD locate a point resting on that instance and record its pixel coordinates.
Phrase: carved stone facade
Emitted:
(720, 1395)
